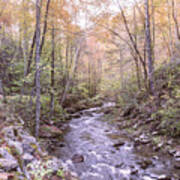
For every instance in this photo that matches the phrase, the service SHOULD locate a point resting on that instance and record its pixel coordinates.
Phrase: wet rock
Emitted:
(163, 177)
(177, 154)
(158, 147)
(119, 165)
(8, 164)
(76, 115)
(144, 139)
(134, 171)
(107, 130)
(172, 151)
(62, 145)
(145, 163)
(155, 157)
(77, 158)
(108, 111)
(177, 163)
(127, 111)
(47, 131)
(154, 133)
(169, 142)
(70, 110)
(87, 113)
(120, 143)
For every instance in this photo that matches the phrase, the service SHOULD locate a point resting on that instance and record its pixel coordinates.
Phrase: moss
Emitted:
(156, 140)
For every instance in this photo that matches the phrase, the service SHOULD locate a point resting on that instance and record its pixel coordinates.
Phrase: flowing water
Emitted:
(93, 139)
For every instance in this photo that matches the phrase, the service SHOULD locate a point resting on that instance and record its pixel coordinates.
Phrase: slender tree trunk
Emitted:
(38, 85)
(31, 54)
(45, 26)
(25, 47)
(52, 73)
(153, 31)
(121, 69)
(67, 59)
(89, 76)
(175, 20)
(170, 31)
(135, 56)
(149, 49)
(34, 39)
(77, 56)
(134, 44)
(1, 88)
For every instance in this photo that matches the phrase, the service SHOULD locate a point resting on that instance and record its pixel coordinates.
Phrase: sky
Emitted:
(113, 8)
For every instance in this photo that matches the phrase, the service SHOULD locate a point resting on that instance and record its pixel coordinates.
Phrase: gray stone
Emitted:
(8, 164)
(164, 177)
(144, 139)
(5, 154)
(17, 145)
(120, 143)
(28, 139)
(172, 151)
(177, 154)
(27, 158)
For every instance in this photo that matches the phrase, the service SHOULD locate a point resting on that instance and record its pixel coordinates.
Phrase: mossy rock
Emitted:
(47, 131)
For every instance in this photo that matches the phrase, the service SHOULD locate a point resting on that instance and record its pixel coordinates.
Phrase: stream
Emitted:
(96, 150)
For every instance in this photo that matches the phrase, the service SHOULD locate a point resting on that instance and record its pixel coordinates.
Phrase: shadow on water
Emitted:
(96, 150)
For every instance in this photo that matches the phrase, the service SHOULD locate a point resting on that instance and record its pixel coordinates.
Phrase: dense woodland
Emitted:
(58, 57)
(66, 49)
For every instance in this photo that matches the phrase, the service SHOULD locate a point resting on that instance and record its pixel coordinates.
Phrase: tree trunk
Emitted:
(38, 85)
(135, 56)
(153, 31)
(45, 26)
(77, 56)
(1, 88)
(170, 31)
(34, 39)
(149, 49)
(52, 73)
(134, 44)
(175, 20)
(31, 54)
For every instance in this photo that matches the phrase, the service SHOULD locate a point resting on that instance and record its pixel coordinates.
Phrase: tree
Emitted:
(149, 48)
(37, 74)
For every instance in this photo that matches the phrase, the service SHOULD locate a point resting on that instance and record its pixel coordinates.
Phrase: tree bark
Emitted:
(175, 20)
(135, 56)
(149, 49)
(37, 74)
(134, 45)
(34, 39)
(71, 75)
(52, 72)
(153, 31)
(45, 26)
(170, 30)
(31, 54)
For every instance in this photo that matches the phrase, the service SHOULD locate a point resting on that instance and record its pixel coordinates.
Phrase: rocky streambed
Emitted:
(96, 150)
